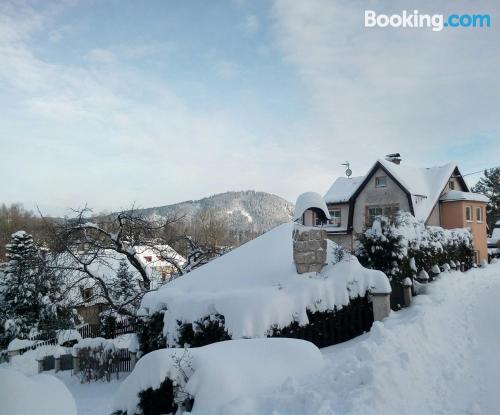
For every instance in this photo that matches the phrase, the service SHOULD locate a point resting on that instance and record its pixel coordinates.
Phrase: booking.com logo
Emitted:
(436, 22)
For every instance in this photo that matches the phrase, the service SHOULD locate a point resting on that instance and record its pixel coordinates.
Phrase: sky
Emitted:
(109, 103)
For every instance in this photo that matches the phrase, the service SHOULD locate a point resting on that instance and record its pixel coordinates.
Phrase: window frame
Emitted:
(470, 218)
(451, 185)
(479, 218)
(394, 209)
(377, 181)
(333, 221)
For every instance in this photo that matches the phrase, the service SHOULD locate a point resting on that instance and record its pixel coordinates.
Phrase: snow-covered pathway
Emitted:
(438, 357)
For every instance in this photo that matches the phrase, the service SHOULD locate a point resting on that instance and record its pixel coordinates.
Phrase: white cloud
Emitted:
(101, 56)
(384, 90)
(227, 69)
(110, 134)
(251, 25)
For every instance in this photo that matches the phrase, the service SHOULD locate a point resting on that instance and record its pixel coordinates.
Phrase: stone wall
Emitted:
(309, 249)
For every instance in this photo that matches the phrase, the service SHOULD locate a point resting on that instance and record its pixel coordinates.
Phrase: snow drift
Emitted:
(221, 372)
(38, 395)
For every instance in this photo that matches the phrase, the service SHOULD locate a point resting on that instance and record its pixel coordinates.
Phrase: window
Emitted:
(468, 214)
(479, 214)
(387, 211)
(451, 185)
(317, 219)
(381, 181)
(87, 294)
(336, 217)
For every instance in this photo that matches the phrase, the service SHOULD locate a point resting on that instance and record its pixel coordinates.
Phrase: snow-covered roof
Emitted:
(424, 184)
(454, 195)
(256, 286)
(106, 266)
(342, 189)
(309, 200)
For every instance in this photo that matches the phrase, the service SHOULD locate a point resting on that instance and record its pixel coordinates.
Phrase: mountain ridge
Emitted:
(245, 211)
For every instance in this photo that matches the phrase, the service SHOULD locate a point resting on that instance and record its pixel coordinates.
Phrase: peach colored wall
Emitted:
(453, 216)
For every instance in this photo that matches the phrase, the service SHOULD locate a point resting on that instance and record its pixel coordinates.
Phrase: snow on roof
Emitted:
(424, 184)
(342, 189)
(106, 266)
(257, 286)
(309, 200)
(454, 195)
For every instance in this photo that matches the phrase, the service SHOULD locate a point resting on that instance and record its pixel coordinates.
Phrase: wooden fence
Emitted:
(124, 326)
(123, 363)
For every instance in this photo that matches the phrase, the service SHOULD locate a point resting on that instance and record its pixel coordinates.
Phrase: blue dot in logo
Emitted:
(446, 24)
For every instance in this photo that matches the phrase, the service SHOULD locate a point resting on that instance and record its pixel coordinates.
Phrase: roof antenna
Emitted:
(348, 171)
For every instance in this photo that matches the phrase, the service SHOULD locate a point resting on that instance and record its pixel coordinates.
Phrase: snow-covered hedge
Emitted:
(209, 378)
(253, 290)
(405, 246)
(96, 358)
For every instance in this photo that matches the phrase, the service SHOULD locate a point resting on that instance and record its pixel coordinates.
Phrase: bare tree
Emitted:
(87, 242)
(210, 230)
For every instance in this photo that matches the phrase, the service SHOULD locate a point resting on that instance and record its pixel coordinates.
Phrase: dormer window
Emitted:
(451, 185)
(87, 294)
(381, 181)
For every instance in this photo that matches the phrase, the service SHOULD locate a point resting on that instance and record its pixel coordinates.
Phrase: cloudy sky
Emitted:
(114, 102)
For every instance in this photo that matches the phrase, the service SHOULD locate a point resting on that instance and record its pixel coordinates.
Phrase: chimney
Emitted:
(309, 249)
(394, 158)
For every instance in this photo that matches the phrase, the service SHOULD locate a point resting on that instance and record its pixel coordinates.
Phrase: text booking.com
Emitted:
(436, 22)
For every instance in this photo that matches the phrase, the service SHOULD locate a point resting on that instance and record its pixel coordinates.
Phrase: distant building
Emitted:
(86, 293)
(438, 196)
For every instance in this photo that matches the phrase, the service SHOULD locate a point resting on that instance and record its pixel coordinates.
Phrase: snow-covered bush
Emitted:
(333, 326)
(381, 247)
(210, 329)
(30, 293)
(209, 378)
(97, 358)
(405, 246)
(149, 331)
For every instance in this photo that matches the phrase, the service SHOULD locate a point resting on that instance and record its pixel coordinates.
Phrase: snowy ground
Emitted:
(438, 357)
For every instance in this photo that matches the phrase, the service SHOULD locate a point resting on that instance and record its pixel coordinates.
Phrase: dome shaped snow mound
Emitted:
(309, 200)
(37, 395)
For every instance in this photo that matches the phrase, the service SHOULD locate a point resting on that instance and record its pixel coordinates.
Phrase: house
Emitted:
(438, 196)
(85, 294)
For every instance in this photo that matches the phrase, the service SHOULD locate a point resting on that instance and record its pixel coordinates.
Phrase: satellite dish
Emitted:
(348, 171)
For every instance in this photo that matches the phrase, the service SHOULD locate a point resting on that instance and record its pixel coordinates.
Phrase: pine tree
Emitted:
(30, 291)
(124, 289)
(489, 185)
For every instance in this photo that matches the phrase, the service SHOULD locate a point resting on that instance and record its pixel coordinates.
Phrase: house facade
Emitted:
(86, 295)
(438, 196)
